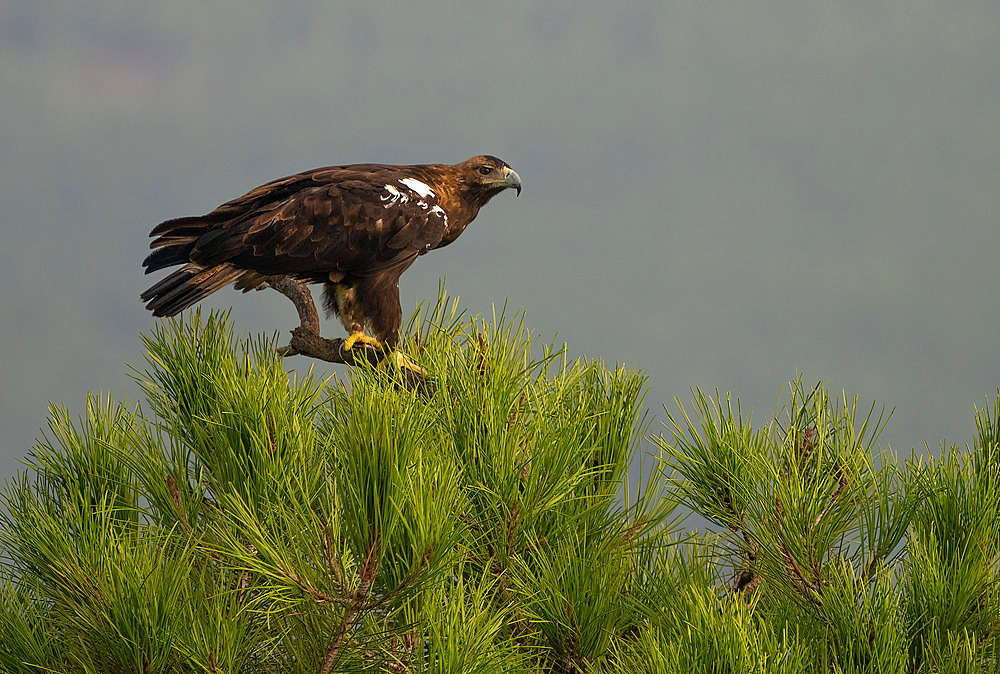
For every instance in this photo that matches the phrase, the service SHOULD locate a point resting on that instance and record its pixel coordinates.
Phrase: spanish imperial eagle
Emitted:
(354, 228)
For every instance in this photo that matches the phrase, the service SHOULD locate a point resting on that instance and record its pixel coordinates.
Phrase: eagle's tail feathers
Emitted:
(195, 224)
(187, 286)
(168, 256)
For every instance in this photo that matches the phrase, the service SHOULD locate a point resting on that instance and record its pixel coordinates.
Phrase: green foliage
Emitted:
(714, 635)
(245, 519)
(953, 600)
(880, 567)
(256, 521)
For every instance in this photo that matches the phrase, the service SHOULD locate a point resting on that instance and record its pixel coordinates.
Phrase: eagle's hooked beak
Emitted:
(511, 179)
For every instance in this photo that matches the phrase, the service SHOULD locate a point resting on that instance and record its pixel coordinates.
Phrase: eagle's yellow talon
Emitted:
(360, 337)
(404, 363)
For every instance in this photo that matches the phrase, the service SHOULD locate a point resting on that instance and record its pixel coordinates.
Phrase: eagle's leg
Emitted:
(307, 340)
(341, 299)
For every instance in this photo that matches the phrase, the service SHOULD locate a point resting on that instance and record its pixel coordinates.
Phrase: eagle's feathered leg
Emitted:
(307, 340)
(342, 299)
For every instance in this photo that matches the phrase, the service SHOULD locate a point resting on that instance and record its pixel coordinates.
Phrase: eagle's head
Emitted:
(484, 176)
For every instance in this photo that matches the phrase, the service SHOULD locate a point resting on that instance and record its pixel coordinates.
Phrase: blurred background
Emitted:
(723, 194)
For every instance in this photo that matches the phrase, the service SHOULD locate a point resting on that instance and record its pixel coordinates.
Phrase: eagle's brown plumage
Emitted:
(354, 229)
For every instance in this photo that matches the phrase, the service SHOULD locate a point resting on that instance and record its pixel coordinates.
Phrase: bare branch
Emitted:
(307, 341)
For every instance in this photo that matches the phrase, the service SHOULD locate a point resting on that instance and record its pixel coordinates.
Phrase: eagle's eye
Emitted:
(485, 170)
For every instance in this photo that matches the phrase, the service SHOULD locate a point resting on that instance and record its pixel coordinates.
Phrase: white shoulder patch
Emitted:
(393, 196)
(437, 210)
(423, 189)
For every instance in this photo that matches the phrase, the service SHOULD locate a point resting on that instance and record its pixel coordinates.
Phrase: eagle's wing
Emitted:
(336, 221)
(315, 226)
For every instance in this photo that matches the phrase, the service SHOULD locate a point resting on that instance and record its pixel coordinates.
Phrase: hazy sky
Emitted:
(724, 194)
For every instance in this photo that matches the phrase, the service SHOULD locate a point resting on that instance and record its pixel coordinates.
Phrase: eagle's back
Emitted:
(322, 225)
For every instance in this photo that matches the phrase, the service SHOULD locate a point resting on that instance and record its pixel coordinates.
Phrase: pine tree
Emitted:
(242, 518)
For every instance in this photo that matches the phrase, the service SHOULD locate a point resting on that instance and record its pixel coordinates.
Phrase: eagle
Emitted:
(354, 228)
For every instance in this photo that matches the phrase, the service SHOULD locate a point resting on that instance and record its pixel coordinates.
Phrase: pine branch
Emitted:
(368, 571)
